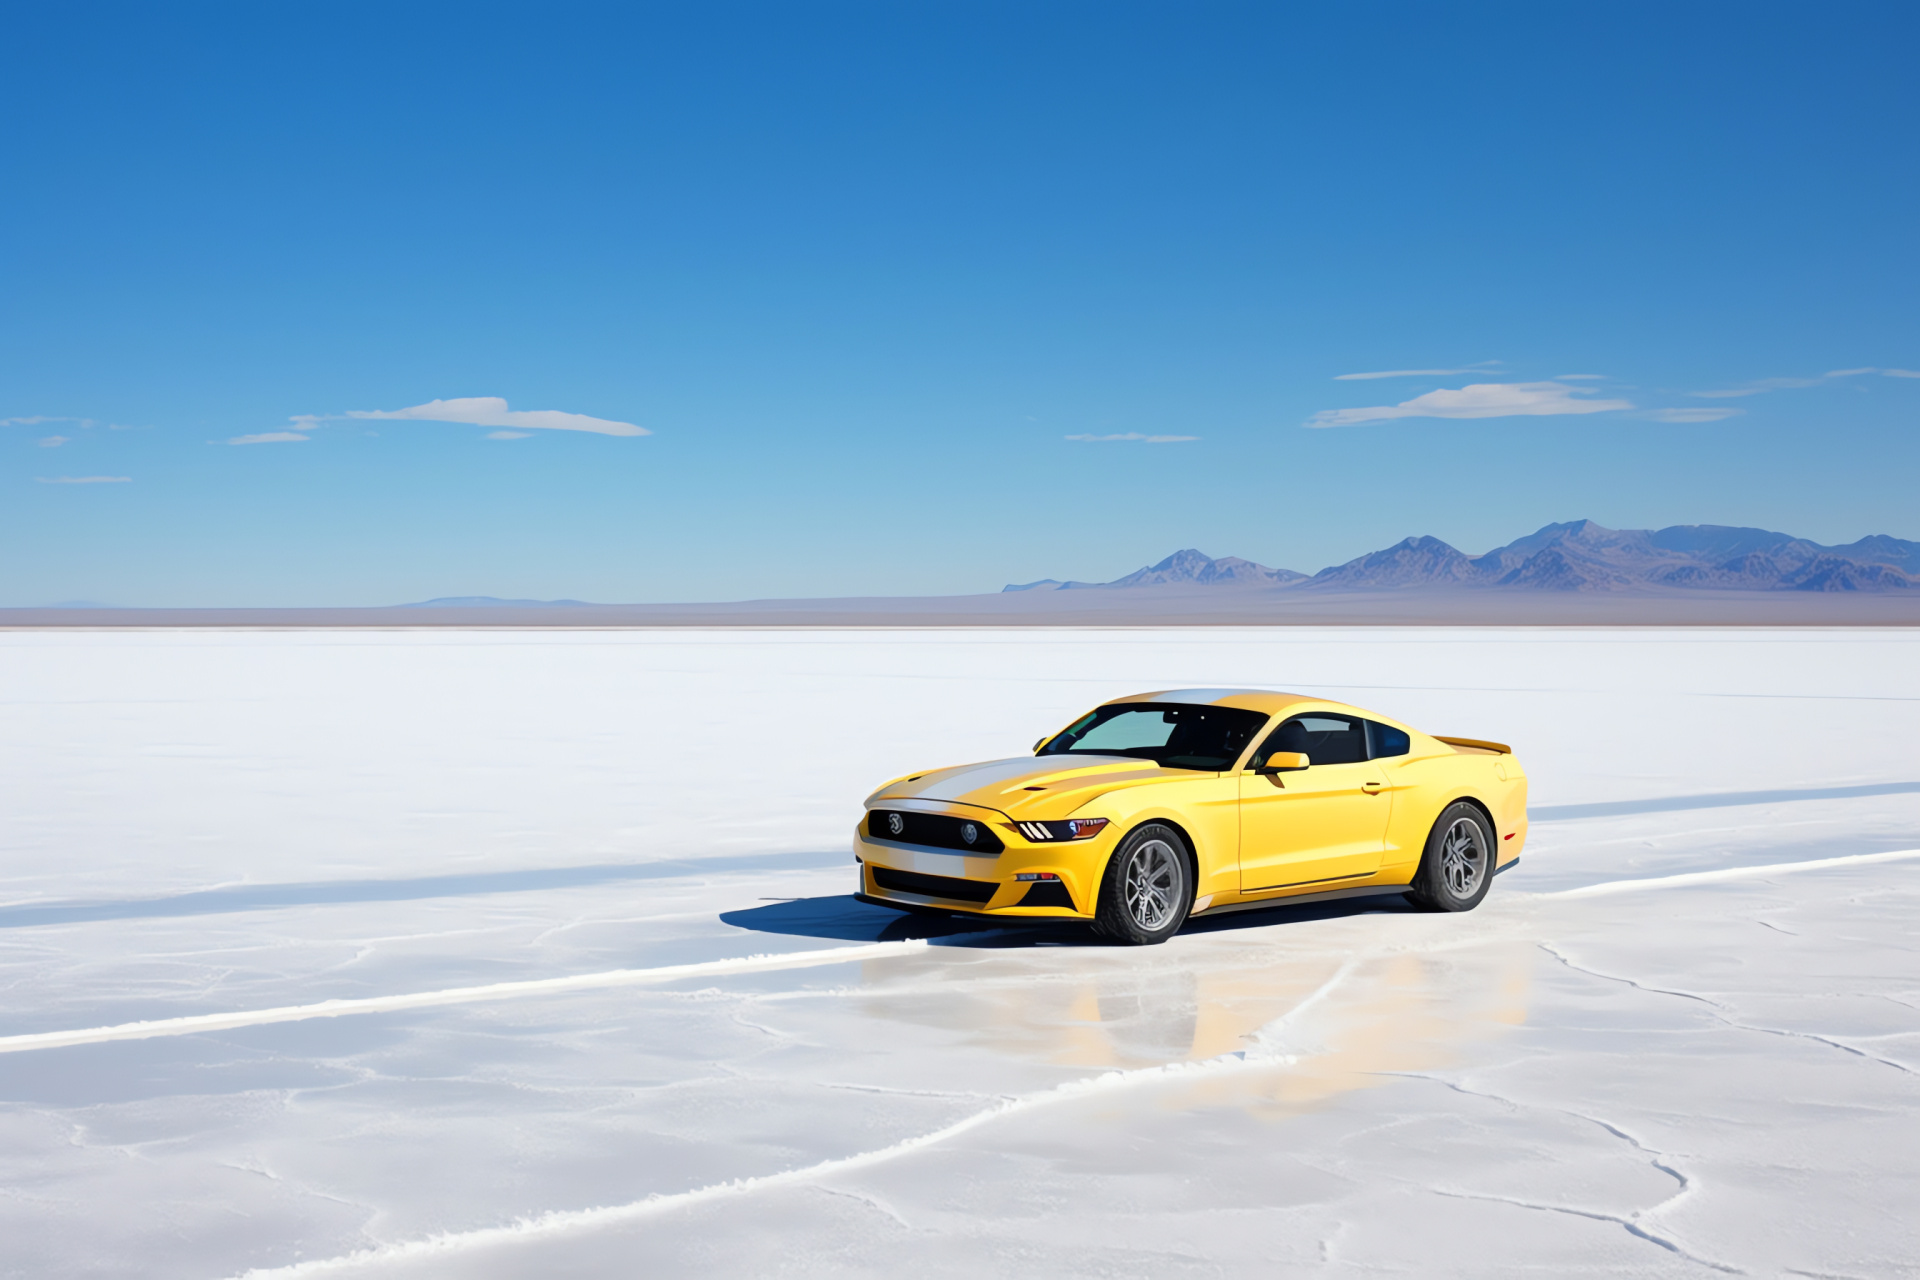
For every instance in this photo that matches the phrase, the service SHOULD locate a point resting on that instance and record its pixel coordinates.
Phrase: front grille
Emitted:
(933, 831)
(934, 886)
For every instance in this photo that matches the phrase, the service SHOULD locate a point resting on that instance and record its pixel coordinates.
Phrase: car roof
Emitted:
(1267, 700)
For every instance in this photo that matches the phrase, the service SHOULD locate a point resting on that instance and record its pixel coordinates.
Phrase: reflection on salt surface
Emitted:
(1400, 1015)
(1057, 994)
(1207, 997)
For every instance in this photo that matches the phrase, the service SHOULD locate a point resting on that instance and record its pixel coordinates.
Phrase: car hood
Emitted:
(1029, 786)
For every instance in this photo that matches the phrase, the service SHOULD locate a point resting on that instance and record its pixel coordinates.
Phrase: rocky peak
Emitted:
(1409, 562)
(1189, 567)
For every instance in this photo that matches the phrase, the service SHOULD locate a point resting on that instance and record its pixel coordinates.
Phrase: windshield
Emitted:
(1176, 735)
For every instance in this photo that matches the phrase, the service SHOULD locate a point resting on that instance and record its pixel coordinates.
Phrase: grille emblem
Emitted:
(896, 824)
(969, 832)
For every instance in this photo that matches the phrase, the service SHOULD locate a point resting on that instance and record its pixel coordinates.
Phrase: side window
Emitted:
(1387, 740)
(1323, 737)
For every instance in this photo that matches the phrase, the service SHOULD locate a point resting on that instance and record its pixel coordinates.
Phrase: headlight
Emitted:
(1070, 829)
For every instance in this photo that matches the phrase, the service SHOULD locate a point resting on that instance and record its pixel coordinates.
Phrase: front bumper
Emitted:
(1077, 864)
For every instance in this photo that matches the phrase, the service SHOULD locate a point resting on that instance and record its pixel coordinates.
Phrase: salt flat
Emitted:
(1692, 1076)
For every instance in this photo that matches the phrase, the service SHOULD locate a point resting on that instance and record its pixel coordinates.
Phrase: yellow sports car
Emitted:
(1160, 806)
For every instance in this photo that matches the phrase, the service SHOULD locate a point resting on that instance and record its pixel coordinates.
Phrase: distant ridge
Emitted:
(1187, 567)
(1573, 574)
(1576, 556)
(486, 602)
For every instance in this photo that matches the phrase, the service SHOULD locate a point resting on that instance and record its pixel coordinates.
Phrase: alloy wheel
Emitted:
(1152, 879)
(1463, 857)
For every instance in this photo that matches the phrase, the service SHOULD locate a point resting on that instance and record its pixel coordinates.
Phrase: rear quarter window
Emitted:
(1384, 740)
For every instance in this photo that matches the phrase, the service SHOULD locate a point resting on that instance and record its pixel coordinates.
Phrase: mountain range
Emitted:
(488, 602)
(1576, 556)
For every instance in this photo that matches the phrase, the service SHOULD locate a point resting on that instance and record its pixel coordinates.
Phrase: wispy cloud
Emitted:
(1485, 366)
(1758, 388)
(39, 421)
(84, 479)
(508, 435)
(1478, 400)
(270, 437)
(1690, 414)
(1136, 436)
(53, 442)
(1765, 385)
(492, 411)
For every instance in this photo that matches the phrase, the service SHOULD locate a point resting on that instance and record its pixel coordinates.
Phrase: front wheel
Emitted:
(1148, 888)
(1456, 868)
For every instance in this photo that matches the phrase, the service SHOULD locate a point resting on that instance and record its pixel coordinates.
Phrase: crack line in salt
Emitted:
(1730, 873)
(455, 995)
(557, 1221)
(746, 964)
(1595, 1215)
(1720, 1013)
(1658, 1159)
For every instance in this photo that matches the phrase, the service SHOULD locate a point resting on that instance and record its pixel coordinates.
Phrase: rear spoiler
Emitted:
(1498, 748)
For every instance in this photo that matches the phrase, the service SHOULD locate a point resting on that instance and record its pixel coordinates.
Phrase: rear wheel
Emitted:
(1148, 888)
(1457, 867)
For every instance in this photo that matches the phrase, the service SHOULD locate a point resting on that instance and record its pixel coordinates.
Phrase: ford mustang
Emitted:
(1158, 807)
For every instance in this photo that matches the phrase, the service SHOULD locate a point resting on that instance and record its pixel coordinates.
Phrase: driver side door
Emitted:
(1319, 825)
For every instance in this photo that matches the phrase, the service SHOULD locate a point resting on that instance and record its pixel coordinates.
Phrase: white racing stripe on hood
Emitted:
(968, 780)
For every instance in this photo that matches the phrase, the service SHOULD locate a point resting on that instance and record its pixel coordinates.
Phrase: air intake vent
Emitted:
(1048, 893)
(934, 886)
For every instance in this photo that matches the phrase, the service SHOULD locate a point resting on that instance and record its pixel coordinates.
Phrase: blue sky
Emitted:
(928, 298)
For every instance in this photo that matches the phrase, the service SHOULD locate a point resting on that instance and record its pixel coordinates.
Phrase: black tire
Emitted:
(1456, 868)
(1147, 889)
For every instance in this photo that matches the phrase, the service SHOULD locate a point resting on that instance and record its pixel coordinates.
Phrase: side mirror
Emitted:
(1283, 760)
(1043, 742)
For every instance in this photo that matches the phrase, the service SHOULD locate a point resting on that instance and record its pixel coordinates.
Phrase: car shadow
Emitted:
(843, 918)
(1390, 902)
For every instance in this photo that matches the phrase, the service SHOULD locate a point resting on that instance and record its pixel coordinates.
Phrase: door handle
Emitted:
(1372, 788)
